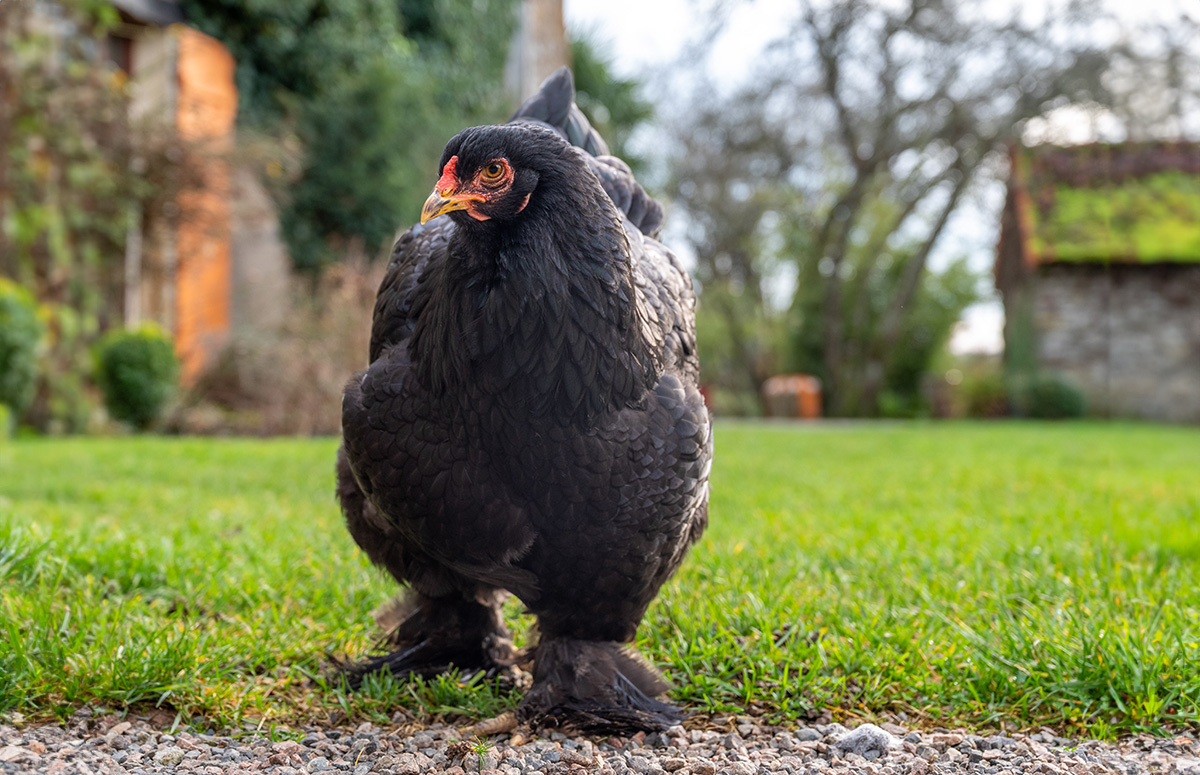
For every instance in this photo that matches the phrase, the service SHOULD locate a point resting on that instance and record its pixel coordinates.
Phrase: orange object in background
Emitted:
(206, 108)
(792, 395)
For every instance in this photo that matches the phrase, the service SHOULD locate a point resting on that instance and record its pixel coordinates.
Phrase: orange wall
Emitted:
(206, 108)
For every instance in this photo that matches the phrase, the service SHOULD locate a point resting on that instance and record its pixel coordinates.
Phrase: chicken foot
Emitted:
(435, 635)
(595, 687)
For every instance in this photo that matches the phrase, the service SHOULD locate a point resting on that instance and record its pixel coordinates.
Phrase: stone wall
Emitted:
(1128, 335)
(261, 267)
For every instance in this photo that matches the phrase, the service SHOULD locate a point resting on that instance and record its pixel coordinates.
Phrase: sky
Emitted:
(647, 34)
(644, 37)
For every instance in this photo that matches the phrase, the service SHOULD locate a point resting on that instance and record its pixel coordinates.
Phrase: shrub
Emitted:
(20, 332)
(63, 401)
(290, 380)
(986, 395)
(1052, 397)
(137, 370)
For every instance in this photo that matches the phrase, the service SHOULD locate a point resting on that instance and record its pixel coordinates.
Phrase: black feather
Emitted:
(554, 106)
(530, 422)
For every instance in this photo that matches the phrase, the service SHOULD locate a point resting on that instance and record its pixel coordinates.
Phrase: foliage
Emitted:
(725, 315)
(986, 394)
(20, 333)
(64, 402)
(78, 174)
(67, 190)
(1049, 397)
(138, 372)
(371, 90)
(213, 577)
(752, 233)
(1149, 219)
(728, 171)
(1153, 81)
(924, 329)
(856, 143)
(611, 103)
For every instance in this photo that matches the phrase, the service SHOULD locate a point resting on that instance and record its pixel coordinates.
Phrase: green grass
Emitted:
(962, 574)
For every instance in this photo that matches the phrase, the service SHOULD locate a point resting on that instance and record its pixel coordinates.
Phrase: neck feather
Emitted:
(542, 313)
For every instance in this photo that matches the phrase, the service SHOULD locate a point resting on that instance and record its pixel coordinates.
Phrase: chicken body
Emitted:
(530, 422)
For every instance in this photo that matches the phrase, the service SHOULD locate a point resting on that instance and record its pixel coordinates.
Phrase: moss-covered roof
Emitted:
(1130, 203)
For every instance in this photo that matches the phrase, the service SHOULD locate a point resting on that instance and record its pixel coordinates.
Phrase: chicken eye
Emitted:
(493, 172)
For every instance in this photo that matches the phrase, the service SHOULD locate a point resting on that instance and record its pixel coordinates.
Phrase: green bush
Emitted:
(137, 370)
(895, 405)
(1052, 397)
(63, 402)
(20, 332)
(986, 395)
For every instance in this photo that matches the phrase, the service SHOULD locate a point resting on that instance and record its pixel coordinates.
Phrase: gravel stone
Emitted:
(102, 743)
(570, 756)
(864, 739)
(169, 756)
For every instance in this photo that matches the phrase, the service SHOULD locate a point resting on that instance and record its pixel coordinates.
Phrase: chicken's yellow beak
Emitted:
(437, 204)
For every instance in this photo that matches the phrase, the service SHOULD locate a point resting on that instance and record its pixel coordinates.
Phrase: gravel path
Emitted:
(107, 744)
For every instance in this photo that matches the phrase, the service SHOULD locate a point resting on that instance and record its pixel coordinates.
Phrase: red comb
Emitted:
(449, 178)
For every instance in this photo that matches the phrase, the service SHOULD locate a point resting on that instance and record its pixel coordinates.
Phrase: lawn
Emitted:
(957, 573)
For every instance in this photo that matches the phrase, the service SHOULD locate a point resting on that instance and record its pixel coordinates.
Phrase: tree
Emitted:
(729, 169)
(75, 169)
(66, 189)
(869, 127)
(371, 90)
(611, 103)
(1154, 80)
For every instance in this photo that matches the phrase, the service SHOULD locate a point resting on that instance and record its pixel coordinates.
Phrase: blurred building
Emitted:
(1099, 267)
(212, 259)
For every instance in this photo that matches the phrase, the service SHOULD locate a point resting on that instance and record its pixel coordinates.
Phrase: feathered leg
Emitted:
(432, 635)
(595, 687)
(444, 621)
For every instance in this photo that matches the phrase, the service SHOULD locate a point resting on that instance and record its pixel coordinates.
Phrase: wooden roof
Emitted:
(1128, 203)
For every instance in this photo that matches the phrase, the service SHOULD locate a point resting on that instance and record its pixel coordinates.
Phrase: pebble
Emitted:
(808, 734)
(94, 742)
(866, 739)
(170, 755)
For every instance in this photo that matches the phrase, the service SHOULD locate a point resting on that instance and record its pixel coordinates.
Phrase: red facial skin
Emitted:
(478, 189)
(448, 182)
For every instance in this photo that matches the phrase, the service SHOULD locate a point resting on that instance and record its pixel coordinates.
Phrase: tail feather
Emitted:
(554, 105)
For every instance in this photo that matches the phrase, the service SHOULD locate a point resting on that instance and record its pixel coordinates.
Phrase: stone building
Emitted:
(1099, 267)
(218, 266)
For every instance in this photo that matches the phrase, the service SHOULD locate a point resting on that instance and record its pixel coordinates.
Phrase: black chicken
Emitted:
(530, 421)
